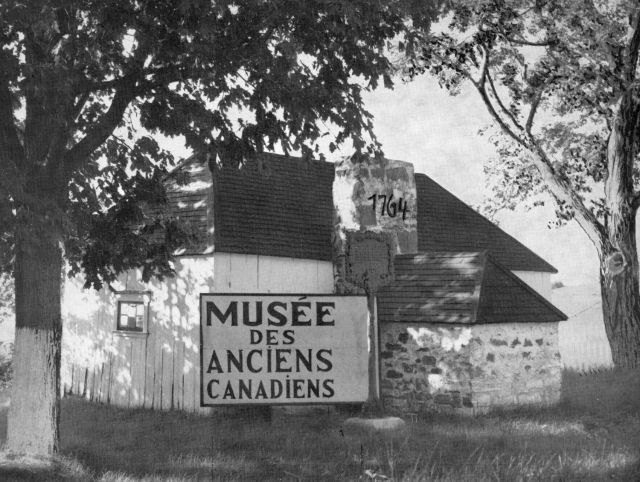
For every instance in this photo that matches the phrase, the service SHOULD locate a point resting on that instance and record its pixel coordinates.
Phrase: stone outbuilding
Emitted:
(460, 331)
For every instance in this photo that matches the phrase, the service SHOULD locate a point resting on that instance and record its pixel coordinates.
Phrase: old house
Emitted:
(454, 292)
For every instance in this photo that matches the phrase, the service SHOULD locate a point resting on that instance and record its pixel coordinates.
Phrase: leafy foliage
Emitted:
(552, 74)
(85, 84)
(7, 298)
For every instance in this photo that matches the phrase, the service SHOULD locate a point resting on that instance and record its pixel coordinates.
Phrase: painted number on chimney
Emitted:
(389, 206)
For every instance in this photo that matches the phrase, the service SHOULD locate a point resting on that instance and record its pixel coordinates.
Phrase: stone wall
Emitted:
(468, 369)
(518, 363)
(423, 367)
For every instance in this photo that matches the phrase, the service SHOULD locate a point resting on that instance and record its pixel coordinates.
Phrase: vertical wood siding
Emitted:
(161, 369)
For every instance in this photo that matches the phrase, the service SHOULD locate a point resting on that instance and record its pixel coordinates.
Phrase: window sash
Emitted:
(131, 316)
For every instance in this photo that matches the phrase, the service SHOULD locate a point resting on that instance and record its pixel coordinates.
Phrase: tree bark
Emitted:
(621, 307)
(619, 254)
(35, 397)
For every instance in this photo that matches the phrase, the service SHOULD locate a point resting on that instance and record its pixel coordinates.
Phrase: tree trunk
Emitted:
(621, 310)
(619, 253)
(35, 396)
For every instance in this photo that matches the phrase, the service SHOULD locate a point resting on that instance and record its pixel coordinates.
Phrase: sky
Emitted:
(421, 123)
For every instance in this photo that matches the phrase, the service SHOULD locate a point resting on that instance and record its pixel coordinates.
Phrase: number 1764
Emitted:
(389, 207)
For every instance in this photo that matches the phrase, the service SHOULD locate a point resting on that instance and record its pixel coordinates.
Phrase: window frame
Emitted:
(141, 298)
(120, 326)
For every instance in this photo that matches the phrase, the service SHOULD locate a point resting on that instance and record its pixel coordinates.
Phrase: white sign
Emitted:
(282, 349)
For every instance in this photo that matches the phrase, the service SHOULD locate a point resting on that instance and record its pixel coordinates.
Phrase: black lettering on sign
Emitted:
(250, 365)
(236, 361)
(306, 361)
(261, 392)
(250, 389)
(280, 317)
(313, 388)
(272, 337)
(276, 384)
(322, 310)
(323, 356)
(244, 389)
(298, 388)
(228, 392)
(302, 313)
(255, 337)
(246, 319)
(288, 337)
(297, 313)
(328, 389)
(282, 359)
(210, 388)
(232, 311)
(214, 363)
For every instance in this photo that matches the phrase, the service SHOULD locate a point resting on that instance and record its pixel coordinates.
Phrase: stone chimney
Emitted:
(367, 239)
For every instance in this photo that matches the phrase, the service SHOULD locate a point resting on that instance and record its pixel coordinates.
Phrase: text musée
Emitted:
(278, 313)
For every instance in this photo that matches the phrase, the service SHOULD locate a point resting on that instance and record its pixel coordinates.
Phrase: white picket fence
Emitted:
(582, 340)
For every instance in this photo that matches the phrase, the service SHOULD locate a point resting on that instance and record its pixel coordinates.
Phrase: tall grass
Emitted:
(593, 434)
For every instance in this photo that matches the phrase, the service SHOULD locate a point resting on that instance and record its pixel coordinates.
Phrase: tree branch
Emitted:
(484, 67)
(557, 184)
(480, 87)
(532, 112)
(561, 190)
(103, 128)
(523, 41)
(500, 104)
(79, 105)
(126, 90)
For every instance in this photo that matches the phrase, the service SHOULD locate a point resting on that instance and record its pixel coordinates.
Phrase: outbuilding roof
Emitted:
(445, 223)
(460, 287)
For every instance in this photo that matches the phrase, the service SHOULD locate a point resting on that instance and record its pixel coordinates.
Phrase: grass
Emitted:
(594, 434)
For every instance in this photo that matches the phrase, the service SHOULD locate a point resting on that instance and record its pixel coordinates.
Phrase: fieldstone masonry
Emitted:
(468, 369)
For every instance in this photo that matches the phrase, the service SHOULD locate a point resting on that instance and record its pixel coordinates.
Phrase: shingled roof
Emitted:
(445, 223)
(463, 287)
(282, 208)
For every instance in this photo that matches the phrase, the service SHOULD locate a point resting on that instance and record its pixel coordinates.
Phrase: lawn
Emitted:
(594, 434)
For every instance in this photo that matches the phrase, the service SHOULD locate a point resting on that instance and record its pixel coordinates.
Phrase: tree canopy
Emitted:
(85, 85)
(559, 79)
(552, 75)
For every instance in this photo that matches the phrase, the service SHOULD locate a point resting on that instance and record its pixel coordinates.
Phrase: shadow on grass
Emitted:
(593, 434)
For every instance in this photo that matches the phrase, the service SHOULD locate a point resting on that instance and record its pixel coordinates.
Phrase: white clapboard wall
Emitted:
(161, 369)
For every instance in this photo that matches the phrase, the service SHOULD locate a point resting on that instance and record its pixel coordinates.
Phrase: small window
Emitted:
(131, 315)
